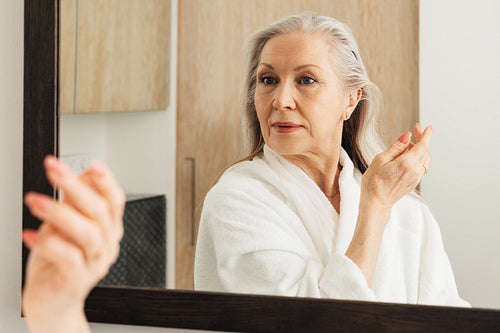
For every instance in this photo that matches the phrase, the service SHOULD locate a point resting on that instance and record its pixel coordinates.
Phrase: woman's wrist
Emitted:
(364, 247)
(73, 320)
(372, 210)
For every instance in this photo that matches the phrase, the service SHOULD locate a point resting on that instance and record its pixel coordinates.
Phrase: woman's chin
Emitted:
(286, 148)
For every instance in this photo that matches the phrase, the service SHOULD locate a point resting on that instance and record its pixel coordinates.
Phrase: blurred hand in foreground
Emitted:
(74, 247)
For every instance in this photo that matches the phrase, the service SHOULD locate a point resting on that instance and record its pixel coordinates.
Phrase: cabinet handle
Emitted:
(189, 168)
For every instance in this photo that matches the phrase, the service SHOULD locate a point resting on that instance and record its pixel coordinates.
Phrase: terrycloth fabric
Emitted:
(267, 228)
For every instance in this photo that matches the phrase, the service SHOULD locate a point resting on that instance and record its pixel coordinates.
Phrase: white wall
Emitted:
(83, 134)
(459, 90)
(11, 138)
(134, 145)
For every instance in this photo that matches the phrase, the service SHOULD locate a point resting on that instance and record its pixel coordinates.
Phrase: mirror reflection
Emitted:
(319, 208)
(286, 231)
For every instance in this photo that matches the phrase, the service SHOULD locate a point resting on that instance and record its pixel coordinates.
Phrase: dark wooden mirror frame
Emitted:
(187, 309)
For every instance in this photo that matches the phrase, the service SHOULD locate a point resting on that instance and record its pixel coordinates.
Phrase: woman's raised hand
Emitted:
(391, 175)
(398, 170)
(74, 247)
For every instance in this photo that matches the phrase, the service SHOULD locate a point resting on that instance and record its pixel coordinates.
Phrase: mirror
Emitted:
(144, 158)
(167, 308)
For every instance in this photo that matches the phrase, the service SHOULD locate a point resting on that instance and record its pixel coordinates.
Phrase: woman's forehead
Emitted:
(296, 49)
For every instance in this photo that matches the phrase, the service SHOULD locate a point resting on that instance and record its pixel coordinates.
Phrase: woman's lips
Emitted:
(286, 127)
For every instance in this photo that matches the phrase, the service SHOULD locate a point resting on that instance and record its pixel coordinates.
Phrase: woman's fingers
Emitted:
(426, 165)
(418, 153)
(418, 132)
(397, 148)
(397, 171)
(420, 150)
(61, 253)
(30, 237)
(82, 197)
(102, 180)
(75, 227)
(90, 216)
(87, 179)
(108, 187)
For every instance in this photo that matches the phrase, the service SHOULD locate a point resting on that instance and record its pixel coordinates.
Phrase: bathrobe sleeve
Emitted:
(261, 247)
(437, 283)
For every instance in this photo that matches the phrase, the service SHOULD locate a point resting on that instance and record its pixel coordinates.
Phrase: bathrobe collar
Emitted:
(322, 222)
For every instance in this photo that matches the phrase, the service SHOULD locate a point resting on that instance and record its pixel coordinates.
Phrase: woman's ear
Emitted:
(353, 97)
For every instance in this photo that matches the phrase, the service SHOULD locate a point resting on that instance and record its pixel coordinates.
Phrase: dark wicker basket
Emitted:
(142, 259)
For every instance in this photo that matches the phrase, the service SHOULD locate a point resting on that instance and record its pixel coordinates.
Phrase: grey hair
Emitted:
(360, 138)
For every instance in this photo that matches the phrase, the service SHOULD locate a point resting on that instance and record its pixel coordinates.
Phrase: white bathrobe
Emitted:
(267, 228)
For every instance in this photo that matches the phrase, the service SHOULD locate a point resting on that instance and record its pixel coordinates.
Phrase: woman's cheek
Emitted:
(262, 117)
(261, 107)
(260, 98)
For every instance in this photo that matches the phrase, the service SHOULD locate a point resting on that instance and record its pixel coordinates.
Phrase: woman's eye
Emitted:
(307, 80)
(267, 80)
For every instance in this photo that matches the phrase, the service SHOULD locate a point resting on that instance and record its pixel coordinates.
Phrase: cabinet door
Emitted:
(114, 55)
(209, 131)
(67, 58)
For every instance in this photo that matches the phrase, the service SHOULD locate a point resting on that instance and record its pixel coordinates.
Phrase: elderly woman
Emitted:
(312, 211)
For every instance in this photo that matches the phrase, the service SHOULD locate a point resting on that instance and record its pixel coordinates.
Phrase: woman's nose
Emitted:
(284, 97)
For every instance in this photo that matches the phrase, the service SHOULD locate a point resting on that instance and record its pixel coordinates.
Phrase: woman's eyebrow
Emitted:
(298, 68)
(266, 65)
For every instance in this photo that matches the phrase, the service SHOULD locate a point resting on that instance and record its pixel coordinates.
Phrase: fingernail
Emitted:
(432, 129)
(405, 137)
(98, 167)
(53, 164)
(419, 126)
(30, 237)
(37, 200)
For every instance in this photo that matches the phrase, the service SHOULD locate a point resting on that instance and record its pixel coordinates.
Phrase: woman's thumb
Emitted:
(399, 146)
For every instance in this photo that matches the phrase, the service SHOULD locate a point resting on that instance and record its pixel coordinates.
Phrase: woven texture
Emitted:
(142, 259)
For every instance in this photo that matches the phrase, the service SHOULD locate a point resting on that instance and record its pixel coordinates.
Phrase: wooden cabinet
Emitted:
(114, 55)
(210, 70)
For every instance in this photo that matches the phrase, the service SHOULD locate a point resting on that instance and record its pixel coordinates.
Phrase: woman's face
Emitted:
(299, 99)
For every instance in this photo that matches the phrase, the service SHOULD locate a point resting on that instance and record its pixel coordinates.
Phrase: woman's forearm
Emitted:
(391, 175)
(365, 244)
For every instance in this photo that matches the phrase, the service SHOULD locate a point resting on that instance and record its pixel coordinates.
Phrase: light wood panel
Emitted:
(121, 59)
(211, 35)
(67, 44)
